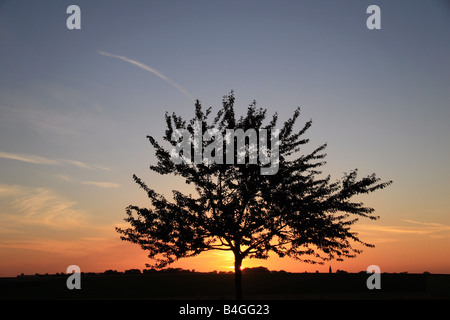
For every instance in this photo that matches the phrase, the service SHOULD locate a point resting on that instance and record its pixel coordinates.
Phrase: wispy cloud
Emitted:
(42, 222)
(51, 108)
(412, 227)
(83, 245)
(394, 229)
(149, 69)
(429, 224)
(84, 165)
(102, 184)
(64, 177)
(31, 158)
(24, 109)
(37, 206)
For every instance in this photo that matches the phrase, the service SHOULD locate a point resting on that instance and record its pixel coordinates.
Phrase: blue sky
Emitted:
(76, 105)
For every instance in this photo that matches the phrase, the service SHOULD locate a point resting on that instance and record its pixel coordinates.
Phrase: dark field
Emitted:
(204, 286)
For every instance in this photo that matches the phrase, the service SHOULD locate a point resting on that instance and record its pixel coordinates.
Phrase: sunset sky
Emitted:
(76, 106)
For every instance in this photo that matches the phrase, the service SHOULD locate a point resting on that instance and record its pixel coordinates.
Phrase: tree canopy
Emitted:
(296, 212)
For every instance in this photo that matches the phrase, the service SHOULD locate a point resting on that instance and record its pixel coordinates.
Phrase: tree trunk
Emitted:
(238, 276)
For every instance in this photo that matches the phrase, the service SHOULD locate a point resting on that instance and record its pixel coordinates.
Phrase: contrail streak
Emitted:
(149, 69)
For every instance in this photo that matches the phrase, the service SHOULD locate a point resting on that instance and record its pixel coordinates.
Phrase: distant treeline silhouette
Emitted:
(184, 271)
(160, 271)
(254, 270)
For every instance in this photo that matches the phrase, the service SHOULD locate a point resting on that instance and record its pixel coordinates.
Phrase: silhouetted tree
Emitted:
(294, 213)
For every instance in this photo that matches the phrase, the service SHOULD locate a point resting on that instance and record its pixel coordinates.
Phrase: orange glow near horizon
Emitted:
(410, 246)
(402, 255)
